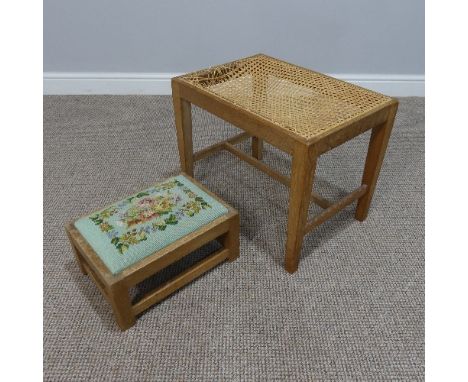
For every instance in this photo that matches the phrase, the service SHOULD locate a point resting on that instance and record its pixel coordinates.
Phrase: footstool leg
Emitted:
(375, 155)
(80, 260)
(230, 239)
(303, 170)
(183, 121)
(121, 305)
(257, 148)
(78, 257)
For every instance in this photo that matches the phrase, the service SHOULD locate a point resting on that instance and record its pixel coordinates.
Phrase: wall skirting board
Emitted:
(160, 83)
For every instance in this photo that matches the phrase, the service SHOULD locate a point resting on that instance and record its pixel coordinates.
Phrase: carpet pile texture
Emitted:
(353, 311)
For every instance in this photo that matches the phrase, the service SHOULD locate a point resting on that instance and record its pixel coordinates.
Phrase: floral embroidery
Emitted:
(148, 208)
(104, 214)
(148, 212)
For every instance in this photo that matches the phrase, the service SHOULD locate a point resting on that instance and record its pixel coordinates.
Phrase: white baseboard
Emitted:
(108, 83)
(395, 85)
(160, 83)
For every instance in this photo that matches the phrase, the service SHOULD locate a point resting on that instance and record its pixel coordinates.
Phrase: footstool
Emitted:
(131, 240)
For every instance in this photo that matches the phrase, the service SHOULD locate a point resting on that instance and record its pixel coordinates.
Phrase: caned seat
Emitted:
(300, 100)
(130, 240)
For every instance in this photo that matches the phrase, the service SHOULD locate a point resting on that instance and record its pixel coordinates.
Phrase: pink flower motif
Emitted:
(145, 202)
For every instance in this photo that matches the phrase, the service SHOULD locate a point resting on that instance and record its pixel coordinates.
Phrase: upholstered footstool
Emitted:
(131, 240)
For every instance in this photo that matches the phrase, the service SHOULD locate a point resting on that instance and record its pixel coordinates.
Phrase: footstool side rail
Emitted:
(160, 293)
(174, 251)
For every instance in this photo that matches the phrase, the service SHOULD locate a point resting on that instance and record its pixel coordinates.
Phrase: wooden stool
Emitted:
(131, 240)
(297, 110)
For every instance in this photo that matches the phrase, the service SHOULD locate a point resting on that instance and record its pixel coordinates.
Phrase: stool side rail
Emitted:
(172, 253)
(351, 129)
(177, 282)
(335, 208)
(227, 145)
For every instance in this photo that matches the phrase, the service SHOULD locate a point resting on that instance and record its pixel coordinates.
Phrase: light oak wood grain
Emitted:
(183, 122)
(303, 170)
(334, 208)
(257, 148)
(375, 156)
(180, 280)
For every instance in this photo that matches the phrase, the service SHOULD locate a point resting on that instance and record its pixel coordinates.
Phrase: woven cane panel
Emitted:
(299, 100)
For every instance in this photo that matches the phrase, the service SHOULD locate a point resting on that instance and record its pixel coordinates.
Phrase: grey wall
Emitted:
(334, 36)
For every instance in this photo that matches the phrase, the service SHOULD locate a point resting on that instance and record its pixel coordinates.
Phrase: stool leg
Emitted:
(230, 239)
(122, 306)
(80, 263)
(303, 169)
(79, 259)
(375, 155)
(260, 95)
(183, 121)
(257, 148)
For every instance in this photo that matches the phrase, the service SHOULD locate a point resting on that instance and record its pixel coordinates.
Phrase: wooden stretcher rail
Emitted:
(219, 146)
(228, 145)
(256, 163)
(317, 199)
(179, 281)
(334, 208)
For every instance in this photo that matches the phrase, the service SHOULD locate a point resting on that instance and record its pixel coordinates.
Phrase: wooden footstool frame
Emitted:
(304, 145)
(115, 288)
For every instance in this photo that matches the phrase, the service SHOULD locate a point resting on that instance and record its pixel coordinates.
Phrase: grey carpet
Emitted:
(353, 311)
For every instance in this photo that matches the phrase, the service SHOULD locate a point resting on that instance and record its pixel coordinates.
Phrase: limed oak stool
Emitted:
(133, 239)
(299, 111)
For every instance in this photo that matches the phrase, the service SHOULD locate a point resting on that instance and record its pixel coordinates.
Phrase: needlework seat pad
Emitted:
(140, 225)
